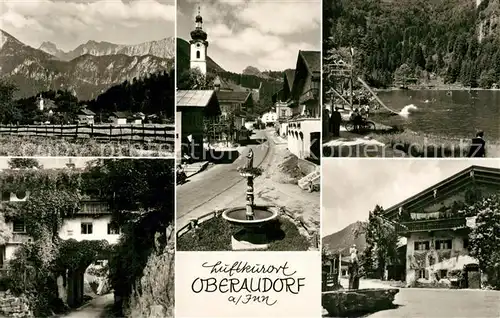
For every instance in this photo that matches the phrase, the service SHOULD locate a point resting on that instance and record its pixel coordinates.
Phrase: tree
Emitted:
(9, 113)
(402, 74)
(24, 163)
(487, 78)
(485, 238)
(381, 249)
(194, 79)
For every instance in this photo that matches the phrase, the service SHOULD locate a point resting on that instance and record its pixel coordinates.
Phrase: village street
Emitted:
(222, 187)
(99, 307)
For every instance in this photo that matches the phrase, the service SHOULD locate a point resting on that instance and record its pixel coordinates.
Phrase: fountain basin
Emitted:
(355, 303)
(253, 235)
(237, 216)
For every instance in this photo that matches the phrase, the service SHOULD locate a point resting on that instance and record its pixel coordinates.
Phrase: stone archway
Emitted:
(71, 278)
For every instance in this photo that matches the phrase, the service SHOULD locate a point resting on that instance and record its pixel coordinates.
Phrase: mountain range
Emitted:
(341, 241)
(164, 48)
(86, 71)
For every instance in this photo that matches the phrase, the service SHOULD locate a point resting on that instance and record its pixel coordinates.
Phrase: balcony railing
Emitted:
(432, 225)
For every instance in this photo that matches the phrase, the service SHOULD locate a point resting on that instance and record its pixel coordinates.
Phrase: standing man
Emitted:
(478, 146)
(326, 122)
(336, 121)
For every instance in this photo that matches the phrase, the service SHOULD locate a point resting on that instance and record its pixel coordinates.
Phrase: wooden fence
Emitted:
(159, 133)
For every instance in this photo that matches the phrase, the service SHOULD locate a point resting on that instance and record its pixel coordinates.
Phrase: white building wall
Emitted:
(71, 229)
(10, 249)
(201, 62)
(458, 259)
(119, 121)
(269, 117)
(301, 146)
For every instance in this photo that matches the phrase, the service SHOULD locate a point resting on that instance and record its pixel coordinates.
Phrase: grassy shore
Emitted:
(431, 146)
(59, 147)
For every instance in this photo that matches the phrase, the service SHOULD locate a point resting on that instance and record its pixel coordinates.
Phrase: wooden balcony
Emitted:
(431, 225)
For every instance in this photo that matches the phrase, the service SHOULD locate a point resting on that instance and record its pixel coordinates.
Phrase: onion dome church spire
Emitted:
(198, 33)
(199, 45)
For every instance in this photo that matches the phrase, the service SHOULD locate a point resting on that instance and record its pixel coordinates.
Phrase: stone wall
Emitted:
(12, 306)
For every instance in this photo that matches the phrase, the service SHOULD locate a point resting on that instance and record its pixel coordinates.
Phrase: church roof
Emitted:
(194, 98)
(449, 186)
(239, 97)
(313, 60)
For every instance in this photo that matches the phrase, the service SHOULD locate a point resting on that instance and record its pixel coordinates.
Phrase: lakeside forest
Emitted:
(153, 94)
(418, 39)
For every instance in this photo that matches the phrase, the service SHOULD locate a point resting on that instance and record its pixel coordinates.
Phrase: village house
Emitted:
(436, 227)
(193, 108)
(126, 117)
(269, 118)
(91, 222)
(235, 103)
(119, 118)
(282, 100)
(86, 116)
(304, 126)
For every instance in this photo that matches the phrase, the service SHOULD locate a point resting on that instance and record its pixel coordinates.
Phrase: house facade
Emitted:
(119, 118)
(269, 118)
(91, 222)
(304, 126)
(235, 103)
(86, 116)
(282, 100)
(193, 108)
(436, 226)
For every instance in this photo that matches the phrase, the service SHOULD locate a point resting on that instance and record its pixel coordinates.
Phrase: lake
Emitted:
(460, 114)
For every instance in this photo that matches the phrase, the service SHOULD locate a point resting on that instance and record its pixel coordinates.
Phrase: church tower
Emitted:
(199, 46)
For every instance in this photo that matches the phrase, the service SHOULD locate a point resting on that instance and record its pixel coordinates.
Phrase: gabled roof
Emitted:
(239, 97)
(87, 112)
(199, 99)
(447, 187)
(194, 98)
(123, 114)
(313, 60)
(289, 77)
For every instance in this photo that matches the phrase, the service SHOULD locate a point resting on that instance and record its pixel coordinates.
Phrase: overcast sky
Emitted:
(352, 187)
(266, 34)
(69, 23)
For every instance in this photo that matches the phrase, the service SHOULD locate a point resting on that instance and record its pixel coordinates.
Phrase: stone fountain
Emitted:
(356, 302)
(251, 218)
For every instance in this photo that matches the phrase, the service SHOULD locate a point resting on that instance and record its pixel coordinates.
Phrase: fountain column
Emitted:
(250, 213)
(253, 235)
